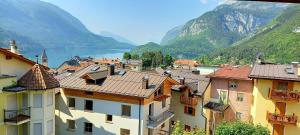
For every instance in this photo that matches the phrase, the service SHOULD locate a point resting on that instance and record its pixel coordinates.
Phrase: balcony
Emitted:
(155, 121)
(17, 117)
(284, 95)
(282, 119)
(160, 97)
(192, 101)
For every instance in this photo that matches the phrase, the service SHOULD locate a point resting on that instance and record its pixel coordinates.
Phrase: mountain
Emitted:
(171, 34)
(279, 42)
(48, 26)
(116, 37)
(151, 46)
(219, 28)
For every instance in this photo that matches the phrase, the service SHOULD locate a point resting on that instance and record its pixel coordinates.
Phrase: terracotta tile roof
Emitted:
(107, 61)
(128, 84)
(187, 62)
(272, 71)
(232, 72)
(17, 56)
(37, 78)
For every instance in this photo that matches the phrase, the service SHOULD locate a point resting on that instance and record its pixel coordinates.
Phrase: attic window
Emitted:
(233, 85)
(8, 57)
(89, 93)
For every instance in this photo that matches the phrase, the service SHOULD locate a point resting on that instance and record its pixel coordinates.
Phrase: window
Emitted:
(8, 57)
(89, 93)
(71, 124)
(163, 103)
(37, 100)
(282, 86)
(88, 105)
(37, 129)
(223, 96)
(159, 91)
(109, 118)
(187, 128)
(49, 98)
(233, 85)
(173, 123)
(126, 110)
(49, 127)
(124, 131)
(240, 97)
(189, 110)
(238, 115)
(88, 127)
(71, 102)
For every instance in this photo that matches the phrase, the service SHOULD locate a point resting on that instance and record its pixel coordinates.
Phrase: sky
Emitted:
(139, 21)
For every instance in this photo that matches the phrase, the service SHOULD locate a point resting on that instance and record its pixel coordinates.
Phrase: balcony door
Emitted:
(280, 108)
(151, 109)
(11, 104)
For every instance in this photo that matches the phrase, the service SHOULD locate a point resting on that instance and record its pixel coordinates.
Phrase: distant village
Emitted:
(106, 96)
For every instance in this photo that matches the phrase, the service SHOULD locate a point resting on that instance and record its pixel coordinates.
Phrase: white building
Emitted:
(100, 101)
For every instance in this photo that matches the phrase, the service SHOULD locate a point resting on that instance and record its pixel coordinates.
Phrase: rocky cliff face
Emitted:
(234, 20)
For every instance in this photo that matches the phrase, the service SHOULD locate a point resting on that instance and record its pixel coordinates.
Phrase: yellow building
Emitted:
(26, 95)
(276, 97)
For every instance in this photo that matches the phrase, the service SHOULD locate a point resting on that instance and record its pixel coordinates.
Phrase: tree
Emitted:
(126, 56)
(240, 128)
(179, 130)
(168, 60)
(135, 56)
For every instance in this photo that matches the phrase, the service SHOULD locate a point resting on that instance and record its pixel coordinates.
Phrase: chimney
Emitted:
(123, 65)
(111, 69)
(295, 64)
(182, 80)
(13, 47)
(145, 82)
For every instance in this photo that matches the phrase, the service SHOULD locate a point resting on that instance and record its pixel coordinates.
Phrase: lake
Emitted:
(58, 56)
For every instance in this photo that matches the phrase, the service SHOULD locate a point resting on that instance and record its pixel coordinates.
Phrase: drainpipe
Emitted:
(202, 113)
(140, 117)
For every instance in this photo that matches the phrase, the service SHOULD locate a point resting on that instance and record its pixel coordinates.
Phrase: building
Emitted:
(135, 65)
(96, 100)
(74, 64)
(27, 96)
(186, 64)
(107, 61)
(44, 59)
(229, 97)
(276, 97)
(187, 100)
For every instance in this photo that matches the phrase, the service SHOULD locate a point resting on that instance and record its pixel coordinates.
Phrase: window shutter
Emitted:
(185, 109)
(194, 111)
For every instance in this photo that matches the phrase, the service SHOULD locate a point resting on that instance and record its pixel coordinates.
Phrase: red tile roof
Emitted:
(37, 78)
(187, 62)
(232, 72)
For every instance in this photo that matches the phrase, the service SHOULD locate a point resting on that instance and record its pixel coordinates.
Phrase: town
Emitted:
(109, 96)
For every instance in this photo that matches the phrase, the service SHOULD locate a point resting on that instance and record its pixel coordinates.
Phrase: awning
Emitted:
(216, 106)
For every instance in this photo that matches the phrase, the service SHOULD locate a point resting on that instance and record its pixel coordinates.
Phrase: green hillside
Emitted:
(279, 42)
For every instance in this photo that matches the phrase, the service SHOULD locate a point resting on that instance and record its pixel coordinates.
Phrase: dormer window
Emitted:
(233, 85)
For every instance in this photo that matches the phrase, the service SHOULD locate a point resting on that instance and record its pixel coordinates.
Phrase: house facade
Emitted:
(27, 96)
(97, 100)
(276, 97)
(229, 97)
(187, 97)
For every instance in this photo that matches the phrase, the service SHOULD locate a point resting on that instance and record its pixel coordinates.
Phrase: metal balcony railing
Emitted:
(155, 121)
(17, 116)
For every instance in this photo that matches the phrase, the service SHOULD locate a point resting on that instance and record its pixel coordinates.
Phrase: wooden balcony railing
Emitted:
(284, 95)
(17, 117)
(192, 101)
(282, 119)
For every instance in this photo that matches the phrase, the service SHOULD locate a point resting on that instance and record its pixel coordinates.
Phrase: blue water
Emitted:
(58, 56)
